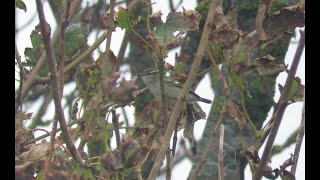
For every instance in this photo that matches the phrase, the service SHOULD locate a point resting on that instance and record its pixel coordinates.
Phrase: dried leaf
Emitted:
(296, 92)
(185, 21)
(231, 17)
(267, 65)
(285, 20)
(235, 112)
(287, 163)
(112, 160)
(219, 21)
(264, 61)
(122, 94)
(286, 175)
(259, 21)
(252, 152)
(226, 36)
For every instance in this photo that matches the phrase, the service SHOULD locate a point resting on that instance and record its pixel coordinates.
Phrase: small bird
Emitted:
(172, 88)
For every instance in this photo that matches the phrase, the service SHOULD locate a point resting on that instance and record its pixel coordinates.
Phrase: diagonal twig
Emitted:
(36, 69)
(299, 140)
(282, 104)
(186, 88)
(55, 88)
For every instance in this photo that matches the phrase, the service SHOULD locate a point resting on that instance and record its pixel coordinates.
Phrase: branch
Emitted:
(55, 89)
(282, 104)
(36, 69)
(220, 155)
(186, 88)
(22, 74)
(79, 59)
(209, 144)
(116, 128)
(96, 100)
(299, 140)
(63, 25)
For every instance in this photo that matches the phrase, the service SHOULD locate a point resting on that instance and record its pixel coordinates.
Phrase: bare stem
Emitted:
(55, 88)
(40, 62)
(299, 140)
(186, 88)
(220, 154)
(282, 104)
(22, 74)
(79, 59)
(225, 84)
(214, 134)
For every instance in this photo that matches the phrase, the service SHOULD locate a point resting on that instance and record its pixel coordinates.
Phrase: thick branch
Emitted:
(186, 88)
(282, 104)
(54, 84)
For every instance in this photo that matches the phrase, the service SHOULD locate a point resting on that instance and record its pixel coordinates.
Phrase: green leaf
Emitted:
(238, 81)
(123, 18)
(75, 40)
(36, 39)
(37, 49)
(20, 4)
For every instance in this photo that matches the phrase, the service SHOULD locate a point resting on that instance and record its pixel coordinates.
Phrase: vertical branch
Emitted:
(54, 84)
(220, 154)
(282, 104)
(116, 127)
(96, 100)
(148, 16)
(63, 25)
(110, 28)
(186, 88)
(36, 69)
(206, 150)
(261, 14)
(169, 167)
(299, 140)
(22, 74)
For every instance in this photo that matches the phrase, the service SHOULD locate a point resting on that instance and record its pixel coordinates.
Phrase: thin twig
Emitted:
(104, 69)
(123, 47)
(299, 140)
(110, 26)
(70, 124)
(63, 25)
(79, 59)
(220, 154)
(282, 104)
(148, 4)
(92, 111)
(225, 84)
(126, 120)
(40, 62)
(22, 74)
(186, 88)
(214, 134)
(55, 88)
(116, 128)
